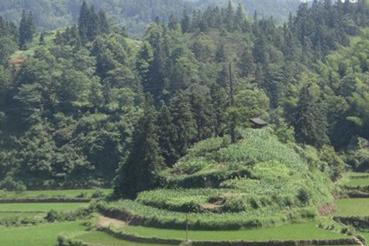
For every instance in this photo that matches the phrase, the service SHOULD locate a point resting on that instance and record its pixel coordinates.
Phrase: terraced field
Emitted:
(305, 231)
(238, 194)
(39, 207)
(40, 235)
(353, 207)
(78, 193)
(102, 238)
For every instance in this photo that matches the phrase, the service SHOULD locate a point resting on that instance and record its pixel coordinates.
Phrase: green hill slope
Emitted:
(255, 182)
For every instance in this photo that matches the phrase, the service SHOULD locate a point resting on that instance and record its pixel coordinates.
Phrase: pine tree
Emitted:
(310, 119)
(246, 64)
(167, 135)
(220, 55)
(239, 18)
(157, 83)
(83, 22)
(184, 122)
(203, 111)
(259, 51)
(230, 16)
(143, 63)
(103, 23)
(26, 29)
(93, 28)
(173, 23)
(220, 104)
(140, 171)
(42, 39)
(91, 23)
(185, 22)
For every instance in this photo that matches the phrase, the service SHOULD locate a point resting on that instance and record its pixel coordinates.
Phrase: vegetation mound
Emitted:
(255, 182)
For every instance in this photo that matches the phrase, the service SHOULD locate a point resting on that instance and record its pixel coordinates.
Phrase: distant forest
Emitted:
(135, 15)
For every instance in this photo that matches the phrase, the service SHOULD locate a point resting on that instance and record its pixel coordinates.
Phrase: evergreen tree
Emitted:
(167, 135)
(140, 171)
(246, 64)
(143, 63)
(83, 21)
(157, 84)
(220, 55)
(103, 22)
(42, 39)
(173, 23)
(220, 103)
(310, 119)
(93, 28)
(229, 18)
(91, 23)
(184, 122)
(26, 29)
(203, 111)
(185, 22)
(239, 18)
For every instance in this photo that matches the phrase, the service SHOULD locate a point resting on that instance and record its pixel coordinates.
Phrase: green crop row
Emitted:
(140, 214)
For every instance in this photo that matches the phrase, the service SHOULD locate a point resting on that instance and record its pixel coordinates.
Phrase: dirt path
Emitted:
(359, 241)
(106, 222)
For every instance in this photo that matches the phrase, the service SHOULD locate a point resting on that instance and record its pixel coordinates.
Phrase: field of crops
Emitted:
(150, 216)
(39, 207)
(353, 207)
(54, 193)
(256, 190)
(102, 238)
(40, 235)
(355, 180)
(259, 177)
(306, 231)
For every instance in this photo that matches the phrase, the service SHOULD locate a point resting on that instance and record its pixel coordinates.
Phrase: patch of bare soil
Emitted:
(104, 222)
(327, 209)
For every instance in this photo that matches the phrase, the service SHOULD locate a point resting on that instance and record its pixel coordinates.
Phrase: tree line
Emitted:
(94, 104)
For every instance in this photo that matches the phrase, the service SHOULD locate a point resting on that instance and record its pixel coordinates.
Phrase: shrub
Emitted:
(82, 195)
(52, 216)
(98, 194)
(10, 185)
(303, 196)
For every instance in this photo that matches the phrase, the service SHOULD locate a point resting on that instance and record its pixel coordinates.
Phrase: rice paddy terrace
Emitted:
(256, 192)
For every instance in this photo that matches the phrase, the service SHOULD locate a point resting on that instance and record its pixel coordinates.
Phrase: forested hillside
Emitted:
(78, 105)
(134, 15)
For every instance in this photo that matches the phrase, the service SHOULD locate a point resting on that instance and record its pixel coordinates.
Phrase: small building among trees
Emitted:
(258, 123)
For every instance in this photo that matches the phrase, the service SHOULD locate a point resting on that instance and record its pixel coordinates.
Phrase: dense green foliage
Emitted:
(69, 109)
(167, 117)
(26, 29)
(256, 177)
(8, 44)
(134, 15)
(149, 216)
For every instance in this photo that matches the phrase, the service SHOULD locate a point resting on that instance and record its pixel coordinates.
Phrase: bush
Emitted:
(52, 216)
(303, 196)
(10, 185)
(98, 194)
